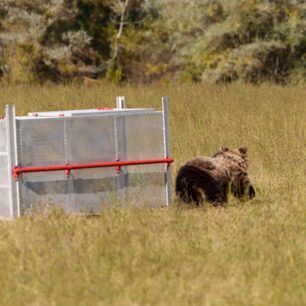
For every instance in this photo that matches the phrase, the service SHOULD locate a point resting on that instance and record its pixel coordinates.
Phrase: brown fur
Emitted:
(213, 177)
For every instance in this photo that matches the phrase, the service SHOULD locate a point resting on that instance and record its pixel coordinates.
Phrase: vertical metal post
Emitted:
(69, 184)
(120, 147)
(120, 102)
(12, 159)
(168, 179)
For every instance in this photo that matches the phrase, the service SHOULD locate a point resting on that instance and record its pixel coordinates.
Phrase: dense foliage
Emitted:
(144, 40)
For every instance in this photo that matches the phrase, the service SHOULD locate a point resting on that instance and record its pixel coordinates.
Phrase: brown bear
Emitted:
(212, 178)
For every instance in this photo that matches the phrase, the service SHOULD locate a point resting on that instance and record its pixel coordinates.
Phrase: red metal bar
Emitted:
(68, 167)
(104, 108)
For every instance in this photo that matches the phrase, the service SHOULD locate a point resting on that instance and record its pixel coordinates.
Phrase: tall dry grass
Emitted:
(251, 253)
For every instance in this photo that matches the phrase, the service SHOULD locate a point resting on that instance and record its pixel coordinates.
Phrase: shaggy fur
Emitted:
(212, 178)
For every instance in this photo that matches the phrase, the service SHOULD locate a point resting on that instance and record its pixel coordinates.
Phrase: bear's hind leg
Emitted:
(218, 194)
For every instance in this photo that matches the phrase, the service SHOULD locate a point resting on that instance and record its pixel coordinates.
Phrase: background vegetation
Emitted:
(145, 40)
(251, 253)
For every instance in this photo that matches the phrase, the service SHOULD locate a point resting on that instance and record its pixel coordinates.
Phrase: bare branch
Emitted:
(123, 8)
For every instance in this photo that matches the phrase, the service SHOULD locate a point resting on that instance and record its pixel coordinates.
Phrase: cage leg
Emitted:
(168, 178)
(15, 210)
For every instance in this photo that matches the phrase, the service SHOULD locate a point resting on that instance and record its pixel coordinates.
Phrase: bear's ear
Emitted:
(243, 150)
(224, 149)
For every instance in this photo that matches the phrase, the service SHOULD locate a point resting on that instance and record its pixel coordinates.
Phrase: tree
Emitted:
(248, 40)
(143, 40)
(43, 41)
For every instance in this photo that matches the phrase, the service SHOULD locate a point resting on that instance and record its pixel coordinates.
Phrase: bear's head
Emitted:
(236, 161)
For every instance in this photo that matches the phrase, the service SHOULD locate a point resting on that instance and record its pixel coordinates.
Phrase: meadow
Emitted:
(250, 253)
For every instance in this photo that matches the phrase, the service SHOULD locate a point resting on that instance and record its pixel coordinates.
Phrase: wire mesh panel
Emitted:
(3, 141)
(90, 195)
(3, 155)
(4, 203)
(4, 187)
(90, 140)
(4, 175)
(144, 140)
(39, 190)
(41, 143)
(3, 170)
(146, 185)
(144, 134)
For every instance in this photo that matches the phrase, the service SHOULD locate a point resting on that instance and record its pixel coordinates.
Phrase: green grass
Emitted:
(251, 253)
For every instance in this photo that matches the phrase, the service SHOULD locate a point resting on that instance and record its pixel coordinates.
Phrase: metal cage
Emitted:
(83, 160)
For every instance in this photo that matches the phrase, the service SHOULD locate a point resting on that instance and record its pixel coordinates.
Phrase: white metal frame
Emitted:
(168, 179)
(120, 146)
(12, 160)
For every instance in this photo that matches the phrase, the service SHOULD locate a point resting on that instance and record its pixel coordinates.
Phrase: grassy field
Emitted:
(251, 253)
